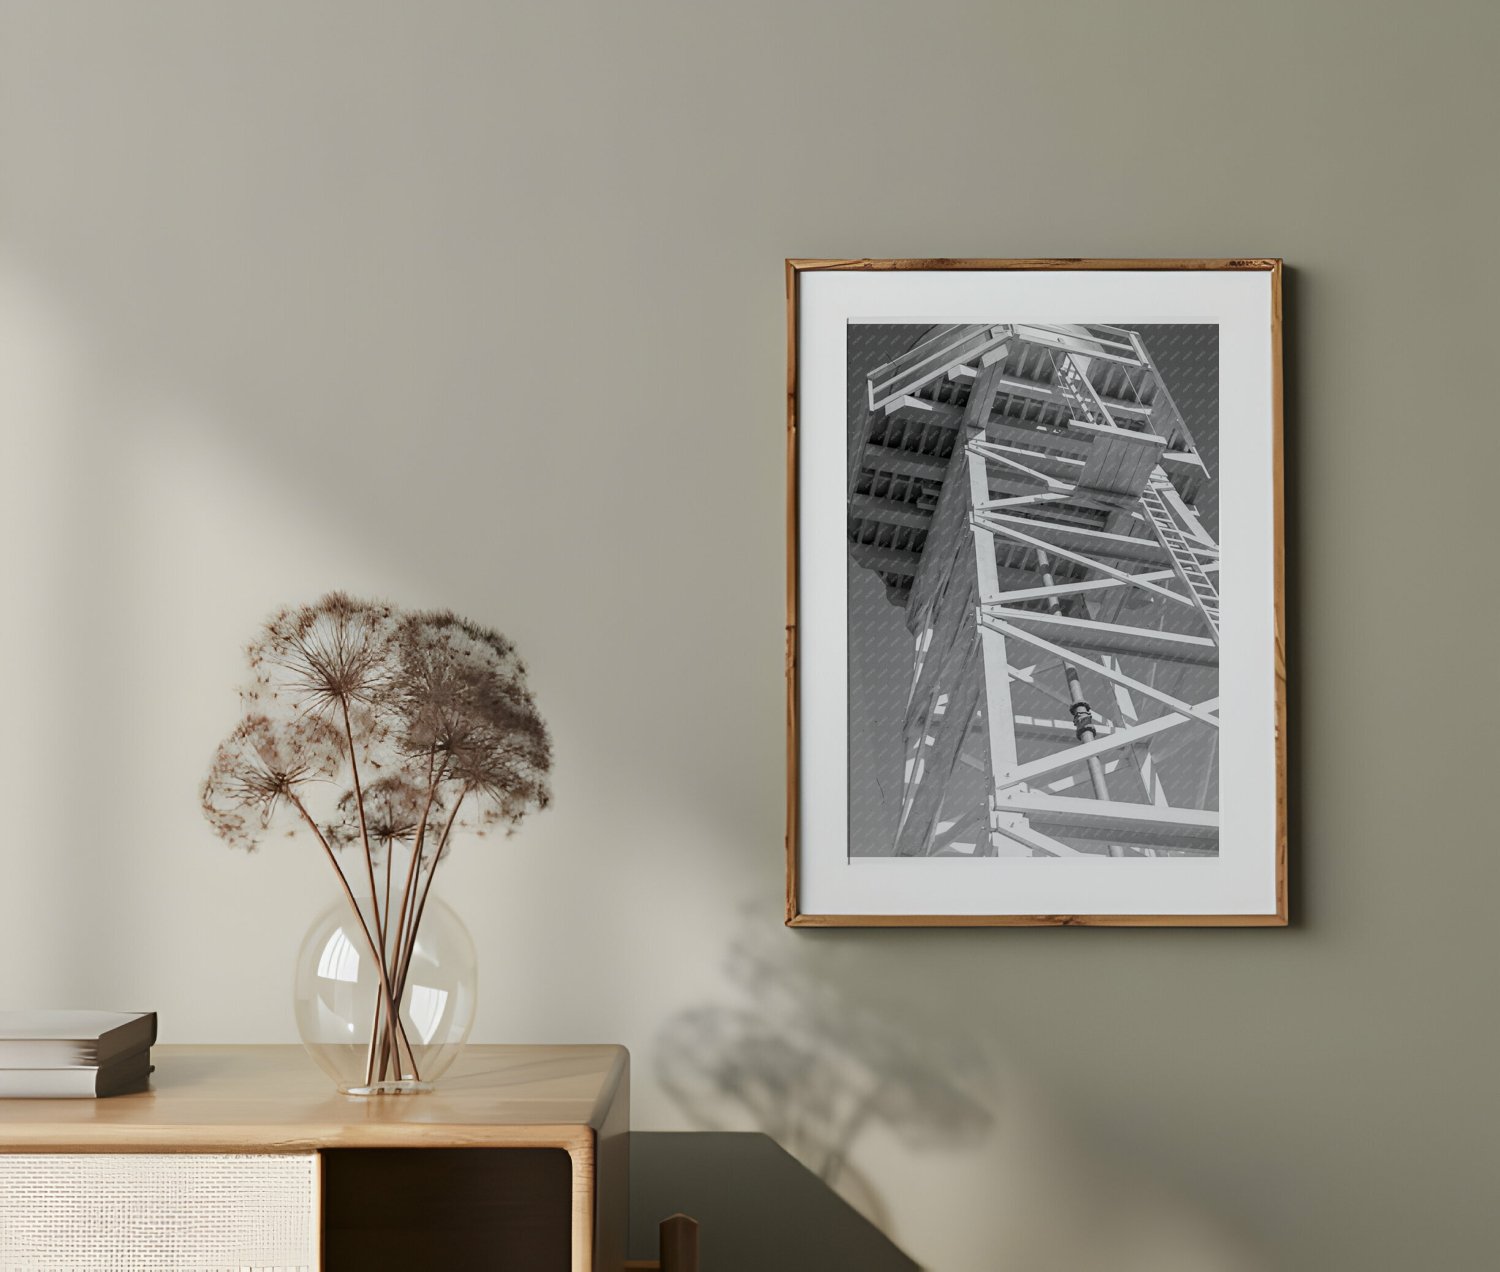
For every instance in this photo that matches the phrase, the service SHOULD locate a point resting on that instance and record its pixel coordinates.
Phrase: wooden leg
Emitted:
(679, 1244)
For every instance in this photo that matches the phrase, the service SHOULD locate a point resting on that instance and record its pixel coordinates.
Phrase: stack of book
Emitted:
(49, 1055)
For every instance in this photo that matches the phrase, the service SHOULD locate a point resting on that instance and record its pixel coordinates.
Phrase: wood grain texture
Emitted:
(792, 531)
(1278, 497)
(679, 1244)
(795, 267)
(611, 1166)
(274, 1099)
(798, 265)
(1035, 920)
(262, 1099)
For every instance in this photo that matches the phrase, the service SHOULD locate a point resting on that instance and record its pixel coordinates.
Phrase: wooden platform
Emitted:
(1120, 462)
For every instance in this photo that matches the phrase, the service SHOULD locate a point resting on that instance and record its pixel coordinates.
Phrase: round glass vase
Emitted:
(340, 1001)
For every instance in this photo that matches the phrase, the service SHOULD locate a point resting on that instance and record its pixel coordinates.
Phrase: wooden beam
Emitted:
(924, 793)
(889, 512)
(937, 348)
(908, 564)
(1083, 346)
(1028, 676)
(1113, 820)
(1008, 526)
(973, 819)
(966, 343)
(1019, 501)
(912, 355)
(1018, 830)
(1068, 466)
(1099, 746)
(1117, 638)
(1117, 547)
(924, 411)
(892, 459)
(992, 454)
(1044, 393)
(999, 709)
(1141, 751)
(1109, 673)
(1004, 429)
(1088, 585)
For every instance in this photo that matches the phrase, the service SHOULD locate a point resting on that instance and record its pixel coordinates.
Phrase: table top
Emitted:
(275, 1099)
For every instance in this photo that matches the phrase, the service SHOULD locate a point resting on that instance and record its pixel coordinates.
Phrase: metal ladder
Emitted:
(1186, 560)
(1078, 392)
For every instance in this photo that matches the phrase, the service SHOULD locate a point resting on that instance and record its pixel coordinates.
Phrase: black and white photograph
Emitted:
(1033, 608)
(1037, 672)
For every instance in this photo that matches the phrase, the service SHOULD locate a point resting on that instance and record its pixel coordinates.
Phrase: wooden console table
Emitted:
(519, 1159)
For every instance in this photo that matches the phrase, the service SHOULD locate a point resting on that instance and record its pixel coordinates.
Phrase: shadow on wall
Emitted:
(926, 1129)
(801, 1061)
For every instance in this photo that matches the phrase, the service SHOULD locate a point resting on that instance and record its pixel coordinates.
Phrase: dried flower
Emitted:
(425, 722)
(261, 767)
(394, 808)
(461, 695)
(323, 658)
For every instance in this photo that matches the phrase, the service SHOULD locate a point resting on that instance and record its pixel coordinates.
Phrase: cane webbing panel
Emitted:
(158, 1212)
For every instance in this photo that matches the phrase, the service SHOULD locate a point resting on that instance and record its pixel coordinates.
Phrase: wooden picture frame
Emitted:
(1037, 369)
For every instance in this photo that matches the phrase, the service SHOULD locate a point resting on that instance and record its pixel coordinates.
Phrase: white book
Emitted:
(120, 1076)
(72, 1039)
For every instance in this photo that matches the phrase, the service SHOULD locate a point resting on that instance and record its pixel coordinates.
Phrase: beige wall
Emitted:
(480, 305)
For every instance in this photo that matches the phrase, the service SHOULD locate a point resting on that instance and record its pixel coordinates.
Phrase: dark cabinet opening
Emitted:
(480, 1209)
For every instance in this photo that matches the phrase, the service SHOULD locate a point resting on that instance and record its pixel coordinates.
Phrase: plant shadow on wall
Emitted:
(802, 1060)
(382, 736)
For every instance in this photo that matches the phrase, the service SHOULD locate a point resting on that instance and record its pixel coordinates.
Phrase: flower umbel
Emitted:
(323, 658)
(261, 767)
(462, 698)
(394, 807)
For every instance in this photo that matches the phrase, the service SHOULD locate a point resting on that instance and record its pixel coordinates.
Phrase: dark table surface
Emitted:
(758, 1207)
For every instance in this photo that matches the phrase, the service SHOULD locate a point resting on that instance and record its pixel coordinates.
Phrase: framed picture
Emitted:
(1035, 622)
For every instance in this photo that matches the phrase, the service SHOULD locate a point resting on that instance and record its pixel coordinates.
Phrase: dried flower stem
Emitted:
(387, 901)
(364, 837)
(434, 780)
(403, 965)
(364, 832)
(385, 954)
(385, 984)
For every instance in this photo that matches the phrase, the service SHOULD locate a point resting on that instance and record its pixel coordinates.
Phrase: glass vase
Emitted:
(341, 1000)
